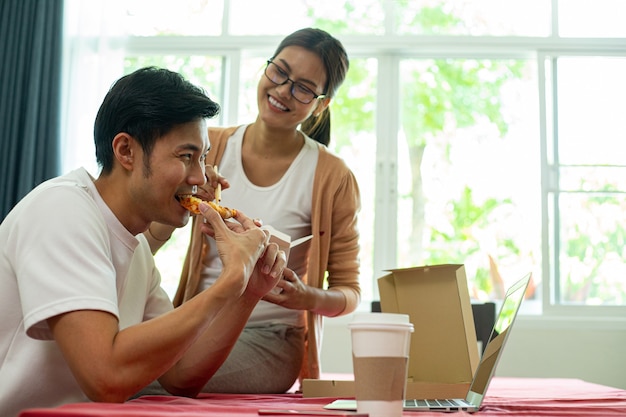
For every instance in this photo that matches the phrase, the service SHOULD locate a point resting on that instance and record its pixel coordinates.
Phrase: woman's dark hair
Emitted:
(147, 104)
(336, 63)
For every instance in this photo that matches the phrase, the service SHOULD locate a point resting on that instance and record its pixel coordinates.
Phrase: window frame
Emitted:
(550, 171)
(389, 50)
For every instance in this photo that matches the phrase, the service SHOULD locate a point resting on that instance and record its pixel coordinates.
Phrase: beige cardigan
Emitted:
(334, 246)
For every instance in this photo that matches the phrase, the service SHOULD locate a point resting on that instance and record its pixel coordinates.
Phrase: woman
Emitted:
(280, 174)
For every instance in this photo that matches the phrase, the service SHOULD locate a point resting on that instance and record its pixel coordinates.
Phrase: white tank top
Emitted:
(286, 205)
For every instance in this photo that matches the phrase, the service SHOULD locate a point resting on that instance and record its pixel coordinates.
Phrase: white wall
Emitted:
(590, 349)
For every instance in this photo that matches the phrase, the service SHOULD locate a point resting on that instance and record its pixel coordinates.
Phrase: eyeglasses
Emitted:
(299, 91)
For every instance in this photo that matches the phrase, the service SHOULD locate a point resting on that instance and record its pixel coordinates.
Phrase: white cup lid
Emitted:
(380, 319)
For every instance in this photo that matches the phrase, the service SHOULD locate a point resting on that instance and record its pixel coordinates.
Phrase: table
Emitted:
(506, 397)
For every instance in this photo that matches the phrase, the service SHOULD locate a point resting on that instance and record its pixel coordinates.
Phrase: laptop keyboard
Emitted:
(430, 403)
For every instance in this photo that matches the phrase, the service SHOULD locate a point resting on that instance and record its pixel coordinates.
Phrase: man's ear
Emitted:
(124, 150)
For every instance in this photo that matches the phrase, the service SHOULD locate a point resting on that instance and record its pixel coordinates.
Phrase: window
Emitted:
(585, 186)
(468, 169)
(481, 132)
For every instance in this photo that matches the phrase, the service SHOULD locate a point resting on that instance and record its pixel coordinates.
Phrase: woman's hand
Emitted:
(213, 179)
(291, 292)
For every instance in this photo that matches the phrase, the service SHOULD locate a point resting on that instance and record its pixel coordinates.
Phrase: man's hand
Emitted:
(268, 271)
(239, 245)
(244, 247)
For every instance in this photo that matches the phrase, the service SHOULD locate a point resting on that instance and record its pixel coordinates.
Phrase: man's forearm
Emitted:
(210, 350)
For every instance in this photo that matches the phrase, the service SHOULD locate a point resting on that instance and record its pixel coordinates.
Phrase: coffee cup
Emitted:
(380, 355)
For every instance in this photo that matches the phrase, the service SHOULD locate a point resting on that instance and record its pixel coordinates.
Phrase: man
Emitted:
(83, 313)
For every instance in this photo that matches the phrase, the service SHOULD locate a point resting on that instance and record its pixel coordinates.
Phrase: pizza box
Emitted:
(444, 350)
(414, 389)
(283, 240)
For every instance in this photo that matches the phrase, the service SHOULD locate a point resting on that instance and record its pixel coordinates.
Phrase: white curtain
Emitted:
(94, 40)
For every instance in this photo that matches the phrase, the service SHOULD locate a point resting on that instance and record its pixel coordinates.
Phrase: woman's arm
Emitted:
(336, 206)
(157, 234)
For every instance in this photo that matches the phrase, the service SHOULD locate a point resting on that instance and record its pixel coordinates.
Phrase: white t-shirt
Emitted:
(285, 205)
(61, 250)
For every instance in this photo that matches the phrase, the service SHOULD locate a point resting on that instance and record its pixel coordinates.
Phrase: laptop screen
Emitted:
(486, 367)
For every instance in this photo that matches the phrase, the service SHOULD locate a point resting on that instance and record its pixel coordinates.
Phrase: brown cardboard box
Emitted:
(340, 388)
(444, 350)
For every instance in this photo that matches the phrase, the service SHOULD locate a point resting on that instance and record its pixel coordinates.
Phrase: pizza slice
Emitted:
(192, 203)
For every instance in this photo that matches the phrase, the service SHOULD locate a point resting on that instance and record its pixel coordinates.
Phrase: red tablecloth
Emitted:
(505, 397)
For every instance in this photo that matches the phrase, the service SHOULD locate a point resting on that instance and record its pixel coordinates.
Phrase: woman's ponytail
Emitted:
(318, 127)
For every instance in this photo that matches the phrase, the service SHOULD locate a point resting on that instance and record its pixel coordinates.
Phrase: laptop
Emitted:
(486, 367)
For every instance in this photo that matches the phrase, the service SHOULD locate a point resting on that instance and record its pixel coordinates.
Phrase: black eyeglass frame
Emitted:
(282, 72)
